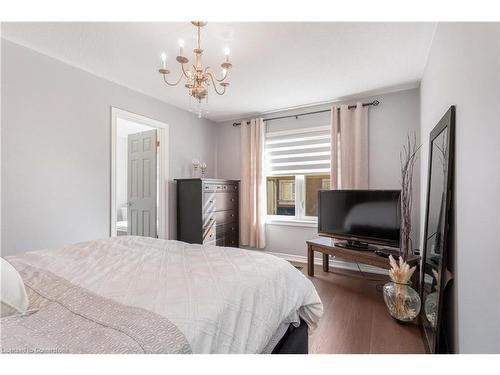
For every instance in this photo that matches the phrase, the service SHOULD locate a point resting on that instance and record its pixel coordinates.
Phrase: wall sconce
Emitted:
(196, 165)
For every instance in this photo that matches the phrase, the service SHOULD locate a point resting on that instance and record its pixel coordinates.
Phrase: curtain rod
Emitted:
(374, 103)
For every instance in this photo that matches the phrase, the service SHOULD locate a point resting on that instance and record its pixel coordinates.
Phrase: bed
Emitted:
(210, 299)
(122, 227)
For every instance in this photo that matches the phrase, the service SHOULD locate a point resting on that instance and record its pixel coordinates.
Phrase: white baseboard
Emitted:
(336, 263)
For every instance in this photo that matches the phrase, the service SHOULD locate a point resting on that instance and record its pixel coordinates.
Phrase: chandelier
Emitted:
(198, 78)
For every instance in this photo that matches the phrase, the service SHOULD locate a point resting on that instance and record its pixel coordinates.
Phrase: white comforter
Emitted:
(224, 300)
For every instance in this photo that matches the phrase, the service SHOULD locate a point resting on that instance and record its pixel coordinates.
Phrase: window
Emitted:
(312, 185)
(281, 195)
(297, 167)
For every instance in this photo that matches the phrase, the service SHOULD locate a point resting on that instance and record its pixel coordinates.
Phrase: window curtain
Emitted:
(349, 147)
(252, 185)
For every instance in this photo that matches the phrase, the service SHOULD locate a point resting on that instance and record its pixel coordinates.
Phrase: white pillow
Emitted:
(13, 297)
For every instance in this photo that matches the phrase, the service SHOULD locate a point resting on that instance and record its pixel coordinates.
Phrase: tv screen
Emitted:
(370, 216)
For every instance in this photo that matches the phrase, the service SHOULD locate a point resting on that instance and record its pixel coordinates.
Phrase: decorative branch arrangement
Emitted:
(402, 301)
(408, 157)
(400, 273)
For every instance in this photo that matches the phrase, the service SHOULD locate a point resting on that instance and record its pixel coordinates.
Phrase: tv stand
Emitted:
(329, 246)
(354, 245)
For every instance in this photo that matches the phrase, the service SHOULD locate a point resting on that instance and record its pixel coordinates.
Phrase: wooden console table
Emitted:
(327, 247)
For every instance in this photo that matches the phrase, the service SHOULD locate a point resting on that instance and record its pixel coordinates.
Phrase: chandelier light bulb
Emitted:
(224, 72)
(164, 60)
(181, 46)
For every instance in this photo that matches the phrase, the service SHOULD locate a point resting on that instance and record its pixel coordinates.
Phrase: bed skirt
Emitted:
(295, 340)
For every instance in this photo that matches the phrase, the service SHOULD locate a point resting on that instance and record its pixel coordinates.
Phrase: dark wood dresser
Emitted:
(207, 211)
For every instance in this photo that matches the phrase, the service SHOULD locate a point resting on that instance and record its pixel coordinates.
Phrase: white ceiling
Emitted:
(276, 65)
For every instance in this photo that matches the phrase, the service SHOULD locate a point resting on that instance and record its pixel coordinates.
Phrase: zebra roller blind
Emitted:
(298, 151)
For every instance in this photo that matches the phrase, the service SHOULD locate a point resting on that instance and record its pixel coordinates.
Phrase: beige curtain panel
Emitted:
(252, 190)
(349, 148)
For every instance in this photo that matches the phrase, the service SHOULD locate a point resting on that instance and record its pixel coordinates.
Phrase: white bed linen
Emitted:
(122, 226)
(224, 300)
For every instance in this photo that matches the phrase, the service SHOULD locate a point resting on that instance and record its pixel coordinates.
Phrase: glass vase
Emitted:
(402, 301)
(431, 307)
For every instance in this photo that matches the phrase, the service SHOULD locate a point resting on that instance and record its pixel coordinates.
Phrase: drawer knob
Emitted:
(232, 199)
(232, 215)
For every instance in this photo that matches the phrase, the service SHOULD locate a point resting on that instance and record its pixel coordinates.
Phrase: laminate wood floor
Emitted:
(355, 318)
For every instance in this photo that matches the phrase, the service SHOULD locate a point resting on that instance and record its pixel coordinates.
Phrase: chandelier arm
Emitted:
(172, 84)
(184, 72)
(209, 71)
(215, 86)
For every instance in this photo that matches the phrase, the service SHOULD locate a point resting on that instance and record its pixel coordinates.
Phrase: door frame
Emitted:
(163, 151)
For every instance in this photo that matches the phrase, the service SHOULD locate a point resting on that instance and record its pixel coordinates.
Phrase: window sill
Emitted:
(293, 223)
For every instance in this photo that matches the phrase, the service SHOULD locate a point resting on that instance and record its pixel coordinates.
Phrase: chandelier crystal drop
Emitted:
(198, 78)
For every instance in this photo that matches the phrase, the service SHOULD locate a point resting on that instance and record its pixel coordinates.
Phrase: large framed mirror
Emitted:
(435, 275)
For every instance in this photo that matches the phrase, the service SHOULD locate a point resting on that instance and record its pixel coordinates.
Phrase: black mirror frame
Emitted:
(446, 122)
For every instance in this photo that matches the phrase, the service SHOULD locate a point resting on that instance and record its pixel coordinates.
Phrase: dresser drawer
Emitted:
(224, 187)
(226, 230)
(230, 188)
(211, 187)
(227, 201)
(213, 218)
(232, 240)
(219, 201)
(209, 219)
(209, 234)
(227, 235)
(209, 202)
(224, 217)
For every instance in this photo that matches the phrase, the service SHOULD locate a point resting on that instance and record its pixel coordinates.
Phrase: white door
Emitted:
(141, 184)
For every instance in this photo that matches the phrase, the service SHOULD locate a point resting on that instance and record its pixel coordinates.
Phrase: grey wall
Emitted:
(462, 70)
(390, 123)
(56, 149)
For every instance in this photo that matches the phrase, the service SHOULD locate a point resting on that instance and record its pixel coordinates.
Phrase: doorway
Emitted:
(139, 175)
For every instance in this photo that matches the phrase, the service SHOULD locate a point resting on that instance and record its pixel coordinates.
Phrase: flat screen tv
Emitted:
(360, 217)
